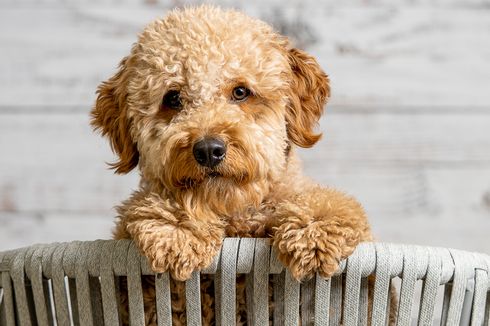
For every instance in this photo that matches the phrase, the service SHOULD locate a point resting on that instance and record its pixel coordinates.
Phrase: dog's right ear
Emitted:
(109, 115)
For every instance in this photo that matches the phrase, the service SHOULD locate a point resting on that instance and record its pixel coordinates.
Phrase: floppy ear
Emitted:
(309, 92)
(109, 115)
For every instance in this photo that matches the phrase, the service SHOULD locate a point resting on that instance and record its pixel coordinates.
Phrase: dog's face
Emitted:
(208, 104)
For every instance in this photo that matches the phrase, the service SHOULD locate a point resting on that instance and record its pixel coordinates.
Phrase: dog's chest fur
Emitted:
(254, 224)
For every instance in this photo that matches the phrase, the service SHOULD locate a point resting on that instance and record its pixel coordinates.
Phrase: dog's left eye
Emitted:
(172, 100)
(240, 93)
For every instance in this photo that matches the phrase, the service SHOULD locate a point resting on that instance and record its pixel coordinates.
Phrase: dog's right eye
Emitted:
(172, 101)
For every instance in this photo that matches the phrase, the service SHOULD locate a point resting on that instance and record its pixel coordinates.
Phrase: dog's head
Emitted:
(208, 103)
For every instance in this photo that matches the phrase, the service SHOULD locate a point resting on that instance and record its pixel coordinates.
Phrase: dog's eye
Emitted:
(240, 93)
(172, 100)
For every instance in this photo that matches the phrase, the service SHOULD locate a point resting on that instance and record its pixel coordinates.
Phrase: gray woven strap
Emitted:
(39, 285)
(258, 285)
(107, 285)
(225, 283)
(18, 278)
(80, 279)
(162, 289)
(135, 298)
(431, 286)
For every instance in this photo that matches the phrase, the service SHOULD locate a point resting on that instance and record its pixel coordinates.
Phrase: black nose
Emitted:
(209, 152)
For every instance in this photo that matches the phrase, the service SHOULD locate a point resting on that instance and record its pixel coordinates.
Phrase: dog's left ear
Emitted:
(309, 92)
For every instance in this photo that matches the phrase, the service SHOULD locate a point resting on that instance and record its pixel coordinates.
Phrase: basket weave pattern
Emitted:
(75, 283)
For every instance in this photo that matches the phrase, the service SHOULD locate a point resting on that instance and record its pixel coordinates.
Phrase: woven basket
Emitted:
(74, 283)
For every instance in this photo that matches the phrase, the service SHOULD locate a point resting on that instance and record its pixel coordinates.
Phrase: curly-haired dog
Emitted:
(209, 105)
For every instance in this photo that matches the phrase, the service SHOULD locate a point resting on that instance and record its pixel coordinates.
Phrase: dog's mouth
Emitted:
(190, 182)
(214, 174)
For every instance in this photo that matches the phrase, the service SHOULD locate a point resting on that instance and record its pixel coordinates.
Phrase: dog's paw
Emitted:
(309, 249)
(180, 252)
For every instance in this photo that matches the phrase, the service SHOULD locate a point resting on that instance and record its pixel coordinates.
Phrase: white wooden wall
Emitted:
(407, 130)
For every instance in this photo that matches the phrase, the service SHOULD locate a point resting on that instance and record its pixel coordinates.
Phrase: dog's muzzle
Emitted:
(209, 151)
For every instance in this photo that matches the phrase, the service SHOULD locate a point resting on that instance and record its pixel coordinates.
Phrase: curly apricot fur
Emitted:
(182, 210)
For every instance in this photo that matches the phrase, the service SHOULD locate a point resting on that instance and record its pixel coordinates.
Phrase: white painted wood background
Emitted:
(407, 131)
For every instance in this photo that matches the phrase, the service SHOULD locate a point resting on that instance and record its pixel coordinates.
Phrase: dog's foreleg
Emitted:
(317, 229)
(171, 239)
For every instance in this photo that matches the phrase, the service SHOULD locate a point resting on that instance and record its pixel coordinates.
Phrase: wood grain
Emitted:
(400, 166)
(408, 131)
(376, 52)
(25, 229)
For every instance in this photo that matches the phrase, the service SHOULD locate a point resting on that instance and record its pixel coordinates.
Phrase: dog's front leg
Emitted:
(172, 240)
(317, 229)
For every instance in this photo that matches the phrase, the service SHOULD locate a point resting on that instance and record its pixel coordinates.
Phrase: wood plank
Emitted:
(59, 54)
(251, 3)
(403, 139)
(54, 162)
(23, 229)
(391, 193)
(414, 178)
(468, 232)
(56, 52)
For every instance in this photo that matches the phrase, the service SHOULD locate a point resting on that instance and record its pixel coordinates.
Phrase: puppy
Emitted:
(209, 106)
